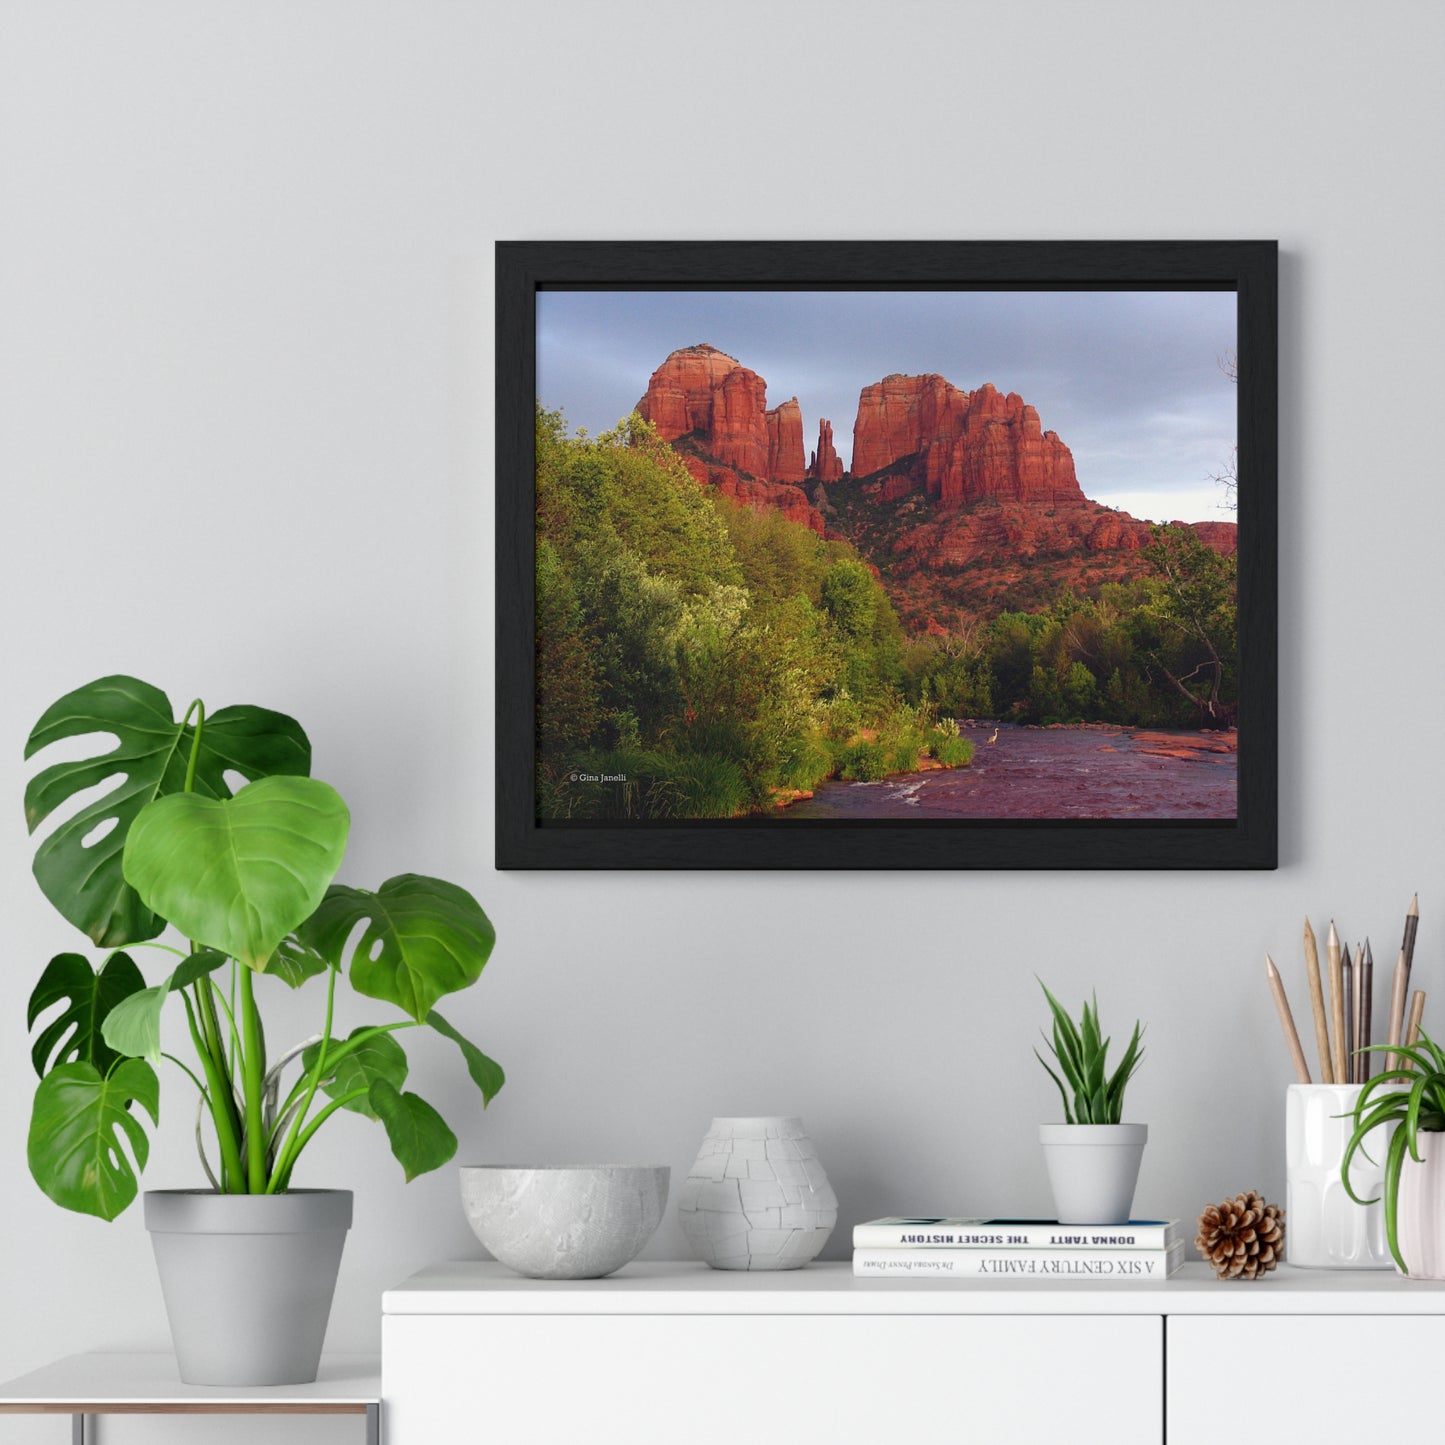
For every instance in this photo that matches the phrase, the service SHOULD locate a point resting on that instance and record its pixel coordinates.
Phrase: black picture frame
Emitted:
(1249, 268)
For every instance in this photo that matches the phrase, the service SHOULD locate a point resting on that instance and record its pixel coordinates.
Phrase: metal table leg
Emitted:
(78, 1431)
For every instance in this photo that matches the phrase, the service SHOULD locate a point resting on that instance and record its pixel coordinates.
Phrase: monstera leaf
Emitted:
(486, 1073)
(239, 874)
(133, 1027)
(379, 1057)
(423, 938)
(418, 1135)
(85, 883)
(294, 962)
(75, 1035)
(78, 1129)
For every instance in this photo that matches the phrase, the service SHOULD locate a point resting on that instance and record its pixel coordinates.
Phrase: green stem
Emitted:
(222, 1117)
(253, 1075)
(189, 1074)
(216, 1051)
(313, 1126)
(316, 1073)
(198, 709)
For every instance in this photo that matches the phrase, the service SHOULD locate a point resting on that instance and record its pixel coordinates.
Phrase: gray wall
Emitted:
(245, 439)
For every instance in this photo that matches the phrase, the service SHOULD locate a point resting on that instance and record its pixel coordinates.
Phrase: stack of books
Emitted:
(1002, 1249)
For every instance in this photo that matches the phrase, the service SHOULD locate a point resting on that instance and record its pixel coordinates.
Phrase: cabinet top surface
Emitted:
(650, 1287)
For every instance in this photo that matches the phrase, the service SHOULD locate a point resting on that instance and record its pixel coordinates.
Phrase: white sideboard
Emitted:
(679, 1352)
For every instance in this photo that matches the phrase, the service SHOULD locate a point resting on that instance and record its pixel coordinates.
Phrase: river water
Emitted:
(1053, 773)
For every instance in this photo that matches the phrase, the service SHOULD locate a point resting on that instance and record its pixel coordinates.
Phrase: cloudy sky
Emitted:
(1129, 379)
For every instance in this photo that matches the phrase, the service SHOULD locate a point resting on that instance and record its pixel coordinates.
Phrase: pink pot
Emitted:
(1420, 1214)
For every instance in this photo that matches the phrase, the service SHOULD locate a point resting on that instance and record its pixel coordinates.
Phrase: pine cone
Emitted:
(1241, 1237)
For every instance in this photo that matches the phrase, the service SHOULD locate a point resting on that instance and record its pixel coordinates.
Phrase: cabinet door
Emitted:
(1303, 1377)
(773, 1380)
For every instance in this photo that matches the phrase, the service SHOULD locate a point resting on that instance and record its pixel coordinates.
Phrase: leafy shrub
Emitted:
(865, 761)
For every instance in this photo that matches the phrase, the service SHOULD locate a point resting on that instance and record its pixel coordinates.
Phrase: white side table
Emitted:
(149, 1384)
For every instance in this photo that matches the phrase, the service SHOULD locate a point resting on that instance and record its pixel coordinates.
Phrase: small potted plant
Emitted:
(1408, 1102)
(1092, 1158)
(248, 1266)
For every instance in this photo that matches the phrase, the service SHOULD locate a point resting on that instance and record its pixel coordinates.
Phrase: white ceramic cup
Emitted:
(1324, 1227)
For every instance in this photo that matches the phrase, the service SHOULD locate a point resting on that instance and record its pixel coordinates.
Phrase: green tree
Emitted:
(1196, 609)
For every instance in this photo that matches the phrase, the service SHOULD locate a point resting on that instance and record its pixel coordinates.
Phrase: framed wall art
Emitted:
(886, 554)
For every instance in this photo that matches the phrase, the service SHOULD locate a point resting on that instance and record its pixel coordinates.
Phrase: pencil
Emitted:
(1337, 1005)
(1317, 1003)
(1417, 1015)
(1367, 1012)
(1407, 945)
(1348, 993)
(1286, 1021)
(1397, 1011)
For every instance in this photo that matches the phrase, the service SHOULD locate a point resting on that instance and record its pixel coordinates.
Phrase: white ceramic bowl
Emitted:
(564, 1222)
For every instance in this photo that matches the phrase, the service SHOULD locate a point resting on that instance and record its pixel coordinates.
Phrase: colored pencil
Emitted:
(1317, 1003)
(1417, 1015)
(1397, 1012)
(1367, 1012)
(1337, 1005)
(1407, 944)
(1347, 991)
(1286, 1021)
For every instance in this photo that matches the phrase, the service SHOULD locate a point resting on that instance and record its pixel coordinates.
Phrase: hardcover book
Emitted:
(1003, 1264)
(936, 1233)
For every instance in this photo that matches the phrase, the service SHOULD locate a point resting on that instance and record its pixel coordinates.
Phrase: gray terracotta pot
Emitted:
(248, 1280)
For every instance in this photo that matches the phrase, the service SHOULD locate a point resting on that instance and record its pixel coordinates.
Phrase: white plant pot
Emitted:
(1324, 1227)
(1093, 1169)
(1420, 1212)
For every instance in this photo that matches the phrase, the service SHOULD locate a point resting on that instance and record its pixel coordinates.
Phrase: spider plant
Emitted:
(1410, 1096)
(1081, 1052)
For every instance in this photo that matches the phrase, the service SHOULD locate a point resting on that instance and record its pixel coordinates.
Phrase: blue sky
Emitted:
(1129, 379)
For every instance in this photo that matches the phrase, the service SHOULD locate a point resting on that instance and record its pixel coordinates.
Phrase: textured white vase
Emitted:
(1093, 1169)
(1324, 1227)
(757, 1196)
(1420, 1210)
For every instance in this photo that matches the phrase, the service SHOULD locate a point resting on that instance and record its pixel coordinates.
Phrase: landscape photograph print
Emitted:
(853, 555)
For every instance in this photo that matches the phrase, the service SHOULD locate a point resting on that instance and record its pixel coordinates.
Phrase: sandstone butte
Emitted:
(714, 411)
(1003, 491)
(825, 465)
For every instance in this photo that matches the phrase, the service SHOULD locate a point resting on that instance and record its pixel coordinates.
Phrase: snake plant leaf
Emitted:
(79, 1127)
(423, 938)
(238, 874)
(133, 1026)
(75, 1034)
(365, 1060)
(294, 962)
(486, 1073)
(419, 1135)
(84, 880)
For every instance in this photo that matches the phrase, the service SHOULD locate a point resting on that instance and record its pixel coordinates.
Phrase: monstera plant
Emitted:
(246, 878)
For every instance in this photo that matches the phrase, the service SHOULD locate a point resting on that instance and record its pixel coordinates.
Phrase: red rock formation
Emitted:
(792, 502)
(963, 447)
(1222, 536)
(785, 443)
(825, 465)
(704, 393)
